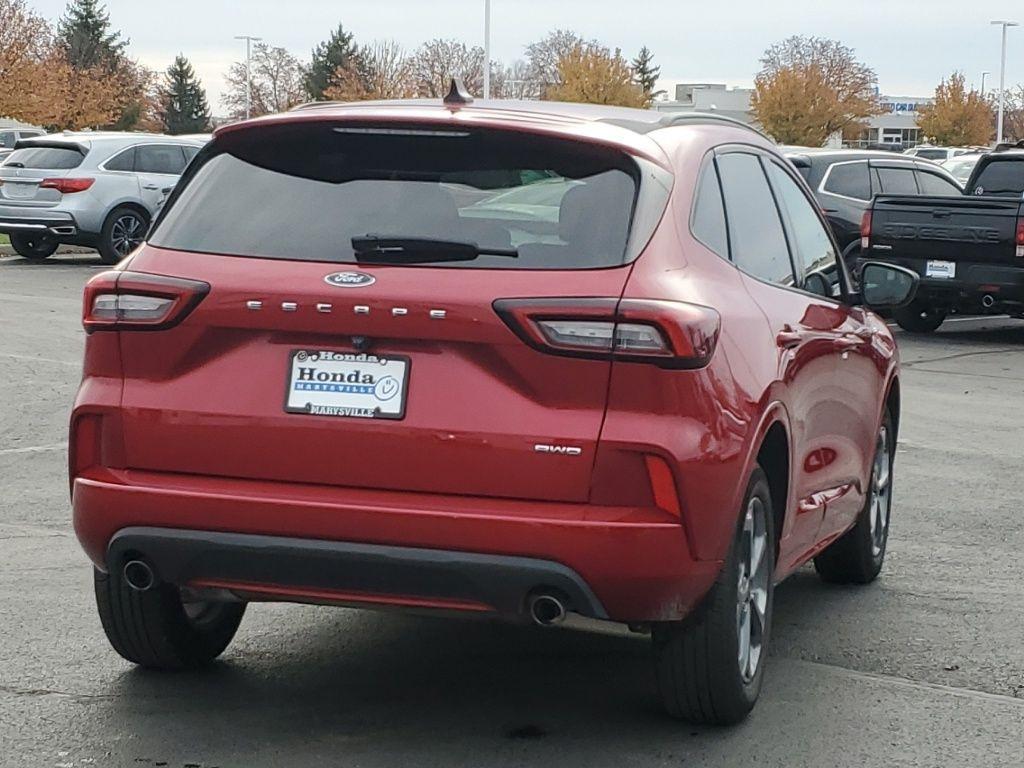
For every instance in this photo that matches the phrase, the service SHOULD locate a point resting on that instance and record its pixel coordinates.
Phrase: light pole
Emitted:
(487, 49)
(1002, 78)
(249, 40)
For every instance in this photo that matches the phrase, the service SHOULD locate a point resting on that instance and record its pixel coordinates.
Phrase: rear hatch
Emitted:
(948, 229)
(349, 336)
(35, 173)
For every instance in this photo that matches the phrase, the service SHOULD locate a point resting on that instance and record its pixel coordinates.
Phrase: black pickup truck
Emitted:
(969, 250)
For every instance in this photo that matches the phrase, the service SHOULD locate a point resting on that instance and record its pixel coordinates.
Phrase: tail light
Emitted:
(865, 231)
(1020, 238)
(670, 334)
(67, 186)
(132, 301)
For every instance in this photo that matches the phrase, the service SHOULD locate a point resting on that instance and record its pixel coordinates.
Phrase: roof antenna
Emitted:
(457, 96)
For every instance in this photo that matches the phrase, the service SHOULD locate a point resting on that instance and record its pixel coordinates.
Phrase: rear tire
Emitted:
(124, 230)
(34, 247)
(857, 556)
(157, 629)
(919, 318)
(710, 666)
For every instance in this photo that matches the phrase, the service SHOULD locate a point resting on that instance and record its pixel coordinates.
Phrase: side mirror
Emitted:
(818, 284)
(887, 286)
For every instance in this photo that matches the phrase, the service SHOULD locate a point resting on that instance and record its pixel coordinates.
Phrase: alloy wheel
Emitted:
(127, 233)
(752, 589)
(880, 503)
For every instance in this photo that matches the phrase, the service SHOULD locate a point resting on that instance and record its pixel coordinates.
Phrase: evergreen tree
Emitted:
(183, 107)
(645, 74)
(85, 35)
(338, 53)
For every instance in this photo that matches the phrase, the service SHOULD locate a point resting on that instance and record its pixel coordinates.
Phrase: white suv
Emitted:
(100, 190)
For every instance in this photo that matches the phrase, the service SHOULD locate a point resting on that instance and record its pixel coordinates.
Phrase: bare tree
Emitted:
(389, 70)
(277, 82)
(438, 61)
(513, 81)
(544, 56)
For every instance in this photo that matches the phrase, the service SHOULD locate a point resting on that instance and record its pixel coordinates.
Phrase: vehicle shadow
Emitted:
(57, 261)
(314, 684)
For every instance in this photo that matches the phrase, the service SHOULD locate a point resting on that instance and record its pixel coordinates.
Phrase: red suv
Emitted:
(523, 360)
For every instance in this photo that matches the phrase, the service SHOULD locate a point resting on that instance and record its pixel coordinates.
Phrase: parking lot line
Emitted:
(34, 449)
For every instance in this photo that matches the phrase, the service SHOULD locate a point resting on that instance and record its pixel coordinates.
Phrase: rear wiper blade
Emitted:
(379, 249)
(15, 164)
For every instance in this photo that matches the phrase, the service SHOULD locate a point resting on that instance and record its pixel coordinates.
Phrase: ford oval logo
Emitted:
(350, 279)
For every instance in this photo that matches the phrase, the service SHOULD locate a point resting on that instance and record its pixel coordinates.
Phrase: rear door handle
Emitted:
(789, 337)
(151, 187)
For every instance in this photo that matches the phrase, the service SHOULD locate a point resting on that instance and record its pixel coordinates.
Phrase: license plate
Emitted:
(18, 190)
(941, 269)
(324, 383)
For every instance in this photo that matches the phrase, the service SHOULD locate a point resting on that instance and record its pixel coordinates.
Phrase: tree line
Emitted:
(562, 66)
(812, 88)
(77, 74)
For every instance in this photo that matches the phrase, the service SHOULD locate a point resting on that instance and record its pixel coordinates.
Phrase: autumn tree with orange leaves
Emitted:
(594, 75)
(810, 88)
(959, 117)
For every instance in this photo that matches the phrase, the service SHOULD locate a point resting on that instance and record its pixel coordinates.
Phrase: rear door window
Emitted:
(1000, 177)
(758, 243)
(708, 223)
(897, 181)
(321, 192)
(49, 158)
(159, 158)
(934, 184)
(124, 161)
(849, 180)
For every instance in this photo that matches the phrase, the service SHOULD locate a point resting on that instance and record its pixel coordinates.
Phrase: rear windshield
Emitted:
(53, 158)
(305, 192)
(932, 154)
(1000, 177)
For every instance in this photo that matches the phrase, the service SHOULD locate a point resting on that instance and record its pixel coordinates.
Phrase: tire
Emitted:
(122, 232)
(34, 247)
(702, 677)
(857, 556)
(919, 318)
(157, 630)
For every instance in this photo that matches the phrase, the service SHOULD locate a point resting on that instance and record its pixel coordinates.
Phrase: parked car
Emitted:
(844, 182)
(939, 154)
(963, 166)
(322, 381)
(968, 250)
(11, 136)
(100, 190)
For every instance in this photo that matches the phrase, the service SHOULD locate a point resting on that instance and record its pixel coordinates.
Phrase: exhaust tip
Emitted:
(988, 301)
(138, 575)
(546, 610)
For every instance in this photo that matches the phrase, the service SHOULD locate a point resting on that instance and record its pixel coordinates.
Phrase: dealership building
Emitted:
(896, 126)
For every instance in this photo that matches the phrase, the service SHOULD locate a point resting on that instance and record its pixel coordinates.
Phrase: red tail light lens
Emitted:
(132, 301)
(67, 186)
(865, 231)
(1020, 238)
(666, 333)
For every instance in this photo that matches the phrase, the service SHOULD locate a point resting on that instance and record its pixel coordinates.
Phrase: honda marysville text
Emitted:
(534, 361)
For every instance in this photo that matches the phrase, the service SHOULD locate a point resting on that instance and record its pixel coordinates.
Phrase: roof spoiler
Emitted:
(46, 143)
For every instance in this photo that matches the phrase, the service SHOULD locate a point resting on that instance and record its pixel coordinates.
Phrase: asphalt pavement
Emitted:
(923, 668)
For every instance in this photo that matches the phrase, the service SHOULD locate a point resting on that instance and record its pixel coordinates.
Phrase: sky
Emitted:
(911, 45)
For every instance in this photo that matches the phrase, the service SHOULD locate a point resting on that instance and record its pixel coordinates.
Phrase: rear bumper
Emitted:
(37, 221)
(1004, 283)
(342, 545)
(276, 567)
